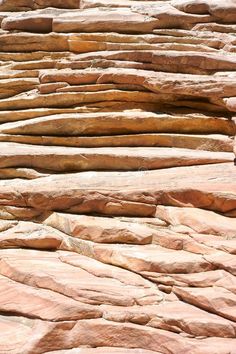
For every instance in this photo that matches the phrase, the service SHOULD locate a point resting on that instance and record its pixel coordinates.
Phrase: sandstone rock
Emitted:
(132, 121)
(216, 300)
(101, 230)
(199, 220)
(41, 303)
(215, 27)
(143, 258)
(15, 213)
(183, 39)
(82, 159)
(222, 12)
(103, 270)
(68, 4)
(77, 334)
(78, 45)
(195, 85)
(109, 3)
(222, 244)
(148, 221)
(166, 11)
(88, 288)
(27, 173)
(24, 5)
(169, 61)
(117, 191)
(10, 5)
(34, 23)
(35, 100)
(223, 260)
(180, 86)
(140, 337)
(157, 16)
(27, 42)
(231, 103)
(218, 278)
(200, 142)
(90, 20)
(13, 87)
(175, 188)
(180, 240)
(13, 116)
(31, 235)
(104, 350)
(175, 316)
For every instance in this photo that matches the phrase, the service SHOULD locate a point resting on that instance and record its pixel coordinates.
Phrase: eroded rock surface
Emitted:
(117, 168)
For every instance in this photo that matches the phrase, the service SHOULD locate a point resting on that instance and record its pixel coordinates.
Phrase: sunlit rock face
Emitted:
(118, 177)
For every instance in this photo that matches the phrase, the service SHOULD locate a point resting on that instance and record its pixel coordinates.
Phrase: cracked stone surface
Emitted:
(117, 177)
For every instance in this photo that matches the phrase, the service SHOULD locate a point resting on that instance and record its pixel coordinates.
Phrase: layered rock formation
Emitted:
(117, 191)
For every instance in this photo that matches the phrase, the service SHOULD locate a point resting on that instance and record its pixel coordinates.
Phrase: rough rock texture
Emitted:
(118, 189)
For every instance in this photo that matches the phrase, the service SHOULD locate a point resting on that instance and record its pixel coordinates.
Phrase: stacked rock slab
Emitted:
(118, 188)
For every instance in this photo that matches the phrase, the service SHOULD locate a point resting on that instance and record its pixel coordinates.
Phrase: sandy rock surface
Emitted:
(117, 177)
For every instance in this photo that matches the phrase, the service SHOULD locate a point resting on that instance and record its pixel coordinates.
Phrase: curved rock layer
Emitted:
(118, 189)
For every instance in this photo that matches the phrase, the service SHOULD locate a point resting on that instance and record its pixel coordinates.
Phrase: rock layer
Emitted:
(117, 191)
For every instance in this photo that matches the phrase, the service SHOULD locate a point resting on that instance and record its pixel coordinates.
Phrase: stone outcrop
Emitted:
(117, 168)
